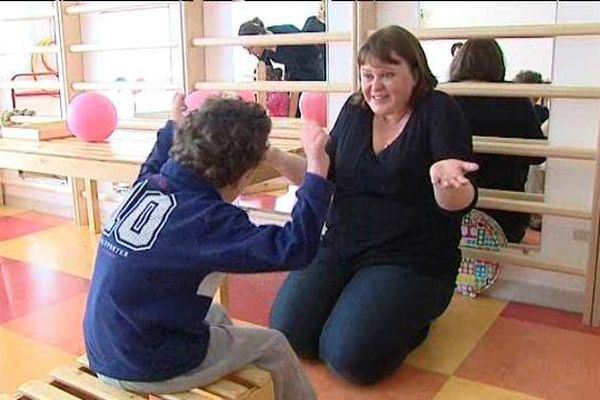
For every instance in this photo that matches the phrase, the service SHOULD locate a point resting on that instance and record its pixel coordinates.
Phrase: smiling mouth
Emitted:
(379, 98)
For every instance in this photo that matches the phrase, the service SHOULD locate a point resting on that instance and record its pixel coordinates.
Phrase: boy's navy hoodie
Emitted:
(160, 260)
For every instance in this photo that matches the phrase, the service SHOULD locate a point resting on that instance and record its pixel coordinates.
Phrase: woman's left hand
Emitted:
(450, 173)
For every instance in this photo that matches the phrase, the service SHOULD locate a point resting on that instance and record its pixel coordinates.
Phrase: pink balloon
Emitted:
(194, 100)
(278, 104)
(313, 106)
(91, 117)
(246, 95)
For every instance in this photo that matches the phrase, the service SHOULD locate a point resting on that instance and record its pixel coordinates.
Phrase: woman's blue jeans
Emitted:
(361, 323)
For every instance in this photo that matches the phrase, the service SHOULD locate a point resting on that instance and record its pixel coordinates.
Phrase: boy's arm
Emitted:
(230, 242)
(249, 248)
(160, 152)
(314, 140)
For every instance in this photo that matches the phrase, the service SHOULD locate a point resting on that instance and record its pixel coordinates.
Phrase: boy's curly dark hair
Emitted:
(222, 140)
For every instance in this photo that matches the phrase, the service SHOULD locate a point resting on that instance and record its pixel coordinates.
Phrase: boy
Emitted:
(149, 326)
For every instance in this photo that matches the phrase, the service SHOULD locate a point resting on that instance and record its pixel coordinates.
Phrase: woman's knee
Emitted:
(360, 366)
(303, 343)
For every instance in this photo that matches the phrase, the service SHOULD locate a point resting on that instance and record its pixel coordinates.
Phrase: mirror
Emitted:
(291, 63)
(157, 26)
(488, 117)
(22, 66)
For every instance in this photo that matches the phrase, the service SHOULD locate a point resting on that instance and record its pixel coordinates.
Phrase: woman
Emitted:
(483, 60)
(387, 264)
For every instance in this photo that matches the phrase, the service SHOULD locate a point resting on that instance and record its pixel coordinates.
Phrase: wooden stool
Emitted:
(80, 383)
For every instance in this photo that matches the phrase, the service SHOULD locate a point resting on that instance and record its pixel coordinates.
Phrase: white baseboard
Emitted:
(40, 204)
(536, 294)
(49, 200)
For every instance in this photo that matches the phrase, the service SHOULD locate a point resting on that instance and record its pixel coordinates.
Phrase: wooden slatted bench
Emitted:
(80, 383)
(116, 160)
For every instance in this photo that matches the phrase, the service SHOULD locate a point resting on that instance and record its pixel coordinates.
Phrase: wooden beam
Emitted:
(591, 307)
(508, 31)
(290, 39)
(261, 76)
(79, 203)
(277, 86)
(93, 206)
(495, 89)
(80, 86)
(70, 65)
(194, 58)
(115, 6)
(95, 47)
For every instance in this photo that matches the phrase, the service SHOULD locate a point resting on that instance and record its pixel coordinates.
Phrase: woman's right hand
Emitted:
(314, 139)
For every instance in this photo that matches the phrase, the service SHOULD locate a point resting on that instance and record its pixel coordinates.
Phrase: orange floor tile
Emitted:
(479, 349)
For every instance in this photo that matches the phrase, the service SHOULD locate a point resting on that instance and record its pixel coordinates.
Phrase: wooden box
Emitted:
(80, 383)
(36, 131)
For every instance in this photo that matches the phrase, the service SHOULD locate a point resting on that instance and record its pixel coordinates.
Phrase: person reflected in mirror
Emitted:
(300, 63)
(538, 102)
(482, 60)
(536, 177)
(278, 103)
(316, 23)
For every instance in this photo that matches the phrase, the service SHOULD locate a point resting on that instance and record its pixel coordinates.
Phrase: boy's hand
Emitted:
(314, 139)
(177, 107)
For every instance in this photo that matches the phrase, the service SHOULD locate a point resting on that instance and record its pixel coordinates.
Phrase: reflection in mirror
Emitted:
(284, 62)
(21, 66)
(502, 60)
(162, 64)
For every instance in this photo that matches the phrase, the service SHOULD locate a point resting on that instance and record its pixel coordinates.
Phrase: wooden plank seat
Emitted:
(80, 383)
(116, 160)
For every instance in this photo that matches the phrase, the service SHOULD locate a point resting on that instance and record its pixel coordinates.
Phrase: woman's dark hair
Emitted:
(222, 140)
(253, 27)
(387, 45)
(478, 60)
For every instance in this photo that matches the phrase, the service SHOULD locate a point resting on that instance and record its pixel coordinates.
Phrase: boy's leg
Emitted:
(233, 347)
(217, 315)
(306, 299)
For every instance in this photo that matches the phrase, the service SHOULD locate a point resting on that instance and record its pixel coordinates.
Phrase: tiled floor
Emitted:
(479, 349)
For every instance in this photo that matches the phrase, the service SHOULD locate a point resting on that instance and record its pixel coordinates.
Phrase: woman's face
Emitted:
(387, 88)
